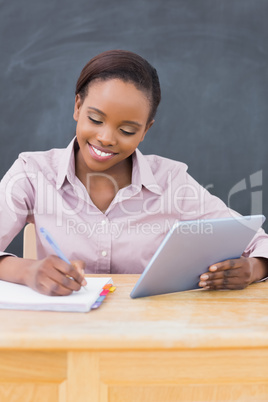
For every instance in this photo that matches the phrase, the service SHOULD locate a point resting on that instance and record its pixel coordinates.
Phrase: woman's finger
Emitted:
(68, 270)
(224, 282)
(49, 287)
(210, 276)
(228, 267)
(79, 266)
(53, 276)
(227, 264)
(63, 280)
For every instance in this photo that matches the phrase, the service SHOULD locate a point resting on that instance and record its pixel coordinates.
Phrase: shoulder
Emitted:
(164, 166)
(30, 164)
(41, 159)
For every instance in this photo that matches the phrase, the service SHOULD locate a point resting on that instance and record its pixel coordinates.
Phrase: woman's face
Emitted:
(111, 122)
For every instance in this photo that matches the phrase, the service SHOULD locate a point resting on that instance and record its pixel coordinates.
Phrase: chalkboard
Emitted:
(212, 59)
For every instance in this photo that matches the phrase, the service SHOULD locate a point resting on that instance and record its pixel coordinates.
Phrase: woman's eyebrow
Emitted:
(124, 121)
(96, 110)
(132, 122)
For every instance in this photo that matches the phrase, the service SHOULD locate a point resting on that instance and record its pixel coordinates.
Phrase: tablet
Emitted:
(190, 248)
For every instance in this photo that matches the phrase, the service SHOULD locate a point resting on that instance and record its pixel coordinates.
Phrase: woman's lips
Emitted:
(99, 155)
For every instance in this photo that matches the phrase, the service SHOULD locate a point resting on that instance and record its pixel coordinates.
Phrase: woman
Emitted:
(107, 205)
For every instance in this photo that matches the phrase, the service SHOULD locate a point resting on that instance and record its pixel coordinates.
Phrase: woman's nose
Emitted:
(106, 137)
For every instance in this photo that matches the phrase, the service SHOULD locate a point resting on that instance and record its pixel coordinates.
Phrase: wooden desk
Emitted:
(193, 346)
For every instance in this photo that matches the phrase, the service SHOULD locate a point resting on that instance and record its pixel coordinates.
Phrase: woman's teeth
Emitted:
(100, 153)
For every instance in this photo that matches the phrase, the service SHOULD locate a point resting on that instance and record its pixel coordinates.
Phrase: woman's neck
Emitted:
(105, 182)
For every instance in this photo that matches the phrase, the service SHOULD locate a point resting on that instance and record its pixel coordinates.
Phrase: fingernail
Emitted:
(84, 283)
(204, 277)
(202, 283)
(213, 268)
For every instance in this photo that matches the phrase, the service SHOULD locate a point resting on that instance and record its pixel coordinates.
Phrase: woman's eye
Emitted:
(127, 132)
(94, 121)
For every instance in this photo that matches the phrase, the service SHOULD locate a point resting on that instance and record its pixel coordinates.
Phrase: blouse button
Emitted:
(104, 253)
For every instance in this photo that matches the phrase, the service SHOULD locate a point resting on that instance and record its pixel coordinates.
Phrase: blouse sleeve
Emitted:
(16, 202)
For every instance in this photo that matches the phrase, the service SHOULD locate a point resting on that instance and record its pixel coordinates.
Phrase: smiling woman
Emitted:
(111, 122)
(117, 95)
(107, 205)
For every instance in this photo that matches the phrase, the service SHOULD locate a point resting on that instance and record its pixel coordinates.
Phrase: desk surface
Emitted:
(195, 319)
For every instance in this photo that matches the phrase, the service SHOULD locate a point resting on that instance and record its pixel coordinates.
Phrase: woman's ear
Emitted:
(77, 106)
(149, 125)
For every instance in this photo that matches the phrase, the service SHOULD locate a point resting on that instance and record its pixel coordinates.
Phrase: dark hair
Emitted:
(128, 67)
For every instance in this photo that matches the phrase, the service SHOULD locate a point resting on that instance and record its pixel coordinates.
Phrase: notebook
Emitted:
(190, 248)
(19, 297)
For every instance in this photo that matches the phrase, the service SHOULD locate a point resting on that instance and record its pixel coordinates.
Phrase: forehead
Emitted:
(115, 95)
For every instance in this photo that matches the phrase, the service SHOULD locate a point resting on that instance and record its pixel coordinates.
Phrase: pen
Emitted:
(55, 247)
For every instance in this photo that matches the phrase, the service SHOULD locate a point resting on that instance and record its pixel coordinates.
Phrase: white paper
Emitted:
(19, 297)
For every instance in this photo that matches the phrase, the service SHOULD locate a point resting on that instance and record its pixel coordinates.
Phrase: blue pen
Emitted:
(54, 245)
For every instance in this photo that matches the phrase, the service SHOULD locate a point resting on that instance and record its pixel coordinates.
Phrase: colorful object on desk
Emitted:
(107, 286)
(105, 291)
(95, 305)
(100, 299)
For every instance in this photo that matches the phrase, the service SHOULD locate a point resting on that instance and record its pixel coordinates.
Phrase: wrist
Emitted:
(15, 269)
(260, 268)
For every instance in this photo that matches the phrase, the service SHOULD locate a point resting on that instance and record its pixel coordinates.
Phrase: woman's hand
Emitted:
(55, 277)
(234, 274)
